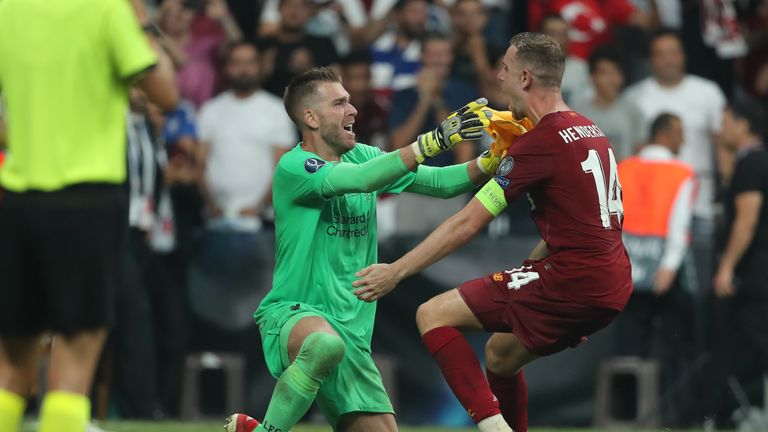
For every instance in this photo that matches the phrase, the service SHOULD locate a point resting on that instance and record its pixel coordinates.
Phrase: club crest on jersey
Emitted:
(313, 164)
(505, 166)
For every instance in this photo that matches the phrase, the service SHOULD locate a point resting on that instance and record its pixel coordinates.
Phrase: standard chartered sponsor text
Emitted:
(342, 229)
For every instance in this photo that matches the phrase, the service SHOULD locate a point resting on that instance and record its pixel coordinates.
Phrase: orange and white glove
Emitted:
(504, 129)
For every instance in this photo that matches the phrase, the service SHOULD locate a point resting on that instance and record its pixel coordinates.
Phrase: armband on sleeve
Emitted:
(491, 196)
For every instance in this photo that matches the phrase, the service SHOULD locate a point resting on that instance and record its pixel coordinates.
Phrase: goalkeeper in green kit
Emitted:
(316, 335)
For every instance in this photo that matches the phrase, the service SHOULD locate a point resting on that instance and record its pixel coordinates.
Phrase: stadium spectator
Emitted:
(472, 62)
(697, 101)
(699, 104)
(498, 29)
(741, 280)
(754, 71)
(63, 219)
(577, 278)
(591, 22)
(175, 215)
(196, 33)
(290, 50)
(617, 116)
(433, 98)
(150, 336)
(395, 54)
(240, 147)
(576, 82)
(371, 120)
(346, 22)
(134, 333)
(317, 341)
(658, 194)
(243, 131)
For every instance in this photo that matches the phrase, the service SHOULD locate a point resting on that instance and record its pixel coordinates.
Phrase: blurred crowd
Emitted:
(661, 78)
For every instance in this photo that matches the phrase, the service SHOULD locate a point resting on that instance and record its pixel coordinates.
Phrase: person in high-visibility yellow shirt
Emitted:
(65, 71)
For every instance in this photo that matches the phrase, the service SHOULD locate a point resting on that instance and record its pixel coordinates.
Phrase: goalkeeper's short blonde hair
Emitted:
(301, 87)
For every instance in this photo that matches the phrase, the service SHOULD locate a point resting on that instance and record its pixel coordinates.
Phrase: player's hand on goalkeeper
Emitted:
(466, 123)
(375, 281)
(490, 159)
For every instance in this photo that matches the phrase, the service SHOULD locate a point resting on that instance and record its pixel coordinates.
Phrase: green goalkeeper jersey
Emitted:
(322, 241)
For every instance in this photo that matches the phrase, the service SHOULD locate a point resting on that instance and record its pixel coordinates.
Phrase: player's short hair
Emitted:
(662, 123)
(304, 85)
(607, 53)
(542, 55)
(752, 112)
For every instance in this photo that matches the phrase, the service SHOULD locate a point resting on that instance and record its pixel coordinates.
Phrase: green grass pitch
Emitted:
(218, 427)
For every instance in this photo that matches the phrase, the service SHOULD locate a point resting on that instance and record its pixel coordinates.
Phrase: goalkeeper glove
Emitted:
(466, 123)
(489, 160)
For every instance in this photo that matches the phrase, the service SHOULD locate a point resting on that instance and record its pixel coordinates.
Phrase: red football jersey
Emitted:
(568, 169)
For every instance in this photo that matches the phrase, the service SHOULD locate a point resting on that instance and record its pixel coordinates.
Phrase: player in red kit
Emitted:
(575, 281)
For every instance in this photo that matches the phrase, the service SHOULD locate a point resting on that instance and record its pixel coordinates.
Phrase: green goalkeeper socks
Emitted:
(297, 386)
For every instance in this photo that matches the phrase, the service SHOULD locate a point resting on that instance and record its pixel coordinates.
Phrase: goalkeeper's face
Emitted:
(336, 117)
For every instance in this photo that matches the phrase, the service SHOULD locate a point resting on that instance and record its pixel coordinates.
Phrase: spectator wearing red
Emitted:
(591, 21)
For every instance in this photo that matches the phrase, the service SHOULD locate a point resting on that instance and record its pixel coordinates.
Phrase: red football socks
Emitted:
(462, 371)
(512, 393)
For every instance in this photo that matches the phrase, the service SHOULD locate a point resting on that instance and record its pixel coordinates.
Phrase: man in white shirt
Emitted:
(697, 101)
(241, 146)
(243, 133)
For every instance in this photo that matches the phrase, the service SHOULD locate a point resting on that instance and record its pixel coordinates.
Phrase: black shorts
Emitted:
(60, 255)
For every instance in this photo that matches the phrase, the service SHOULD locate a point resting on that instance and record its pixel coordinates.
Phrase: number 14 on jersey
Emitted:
(608, 194)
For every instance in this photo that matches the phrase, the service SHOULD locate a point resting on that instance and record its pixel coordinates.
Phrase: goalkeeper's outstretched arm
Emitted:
(369, 176)
(447, 182)
(466, 123)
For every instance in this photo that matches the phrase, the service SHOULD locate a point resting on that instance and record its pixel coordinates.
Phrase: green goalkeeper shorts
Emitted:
(353, 386)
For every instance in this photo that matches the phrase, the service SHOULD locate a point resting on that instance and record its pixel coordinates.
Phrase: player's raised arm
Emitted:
(319, 105)
(454, 180)
(464, 124)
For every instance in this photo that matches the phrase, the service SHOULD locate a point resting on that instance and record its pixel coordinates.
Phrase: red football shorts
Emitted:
(514, 301)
